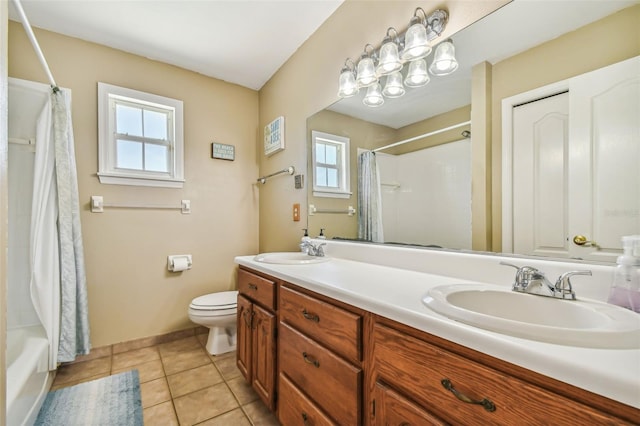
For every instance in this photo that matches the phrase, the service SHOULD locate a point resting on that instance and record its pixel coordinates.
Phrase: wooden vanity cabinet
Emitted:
(257, 333)
(413, 380)
(320, 359)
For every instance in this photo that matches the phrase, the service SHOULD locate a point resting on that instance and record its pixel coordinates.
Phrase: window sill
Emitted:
(332, 194)
(139, 181)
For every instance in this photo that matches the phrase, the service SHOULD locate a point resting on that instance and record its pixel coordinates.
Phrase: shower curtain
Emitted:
(369, 199)
(58, 281)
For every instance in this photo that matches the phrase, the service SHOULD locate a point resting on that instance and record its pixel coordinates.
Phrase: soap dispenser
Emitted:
(322, 236)
(304, 241)
(625, 289)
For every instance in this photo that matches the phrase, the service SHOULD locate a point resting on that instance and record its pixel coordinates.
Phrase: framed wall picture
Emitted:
(274, 136)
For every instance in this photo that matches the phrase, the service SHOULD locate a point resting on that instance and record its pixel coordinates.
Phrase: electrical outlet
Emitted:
(296, 212)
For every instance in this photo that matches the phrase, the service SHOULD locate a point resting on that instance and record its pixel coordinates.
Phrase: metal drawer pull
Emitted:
(487, 404)
(253, 286)
(310, 360)
(304, 419)
(310, 317)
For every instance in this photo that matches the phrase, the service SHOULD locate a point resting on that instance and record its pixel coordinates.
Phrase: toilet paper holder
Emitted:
(179, 262)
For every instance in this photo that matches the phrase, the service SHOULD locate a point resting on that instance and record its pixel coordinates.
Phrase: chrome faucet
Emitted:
(312, 249)
(531, 280)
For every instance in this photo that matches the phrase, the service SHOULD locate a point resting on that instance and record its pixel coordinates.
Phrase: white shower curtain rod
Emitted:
(426, 135)
(34, 43)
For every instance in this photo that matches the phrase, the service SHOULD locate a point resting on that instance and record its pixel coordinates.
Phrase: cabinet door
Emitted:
(264, 355)
(245, 319)
(392, 409)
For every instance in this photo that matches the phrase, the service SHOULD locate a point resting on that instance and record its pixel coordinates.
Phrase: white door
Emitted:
(540, 177)
(576, 167)
(604, 177)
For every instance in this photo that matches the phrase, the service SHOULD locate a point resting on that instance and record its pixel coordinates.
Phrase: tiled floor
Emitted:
(181, 384)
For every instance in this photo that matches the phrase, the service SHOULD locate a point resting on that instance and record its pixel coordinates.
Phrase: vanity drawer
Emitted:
(257, 288)
(294, 408)
(337, 328)
(334, 384)
(416, 368)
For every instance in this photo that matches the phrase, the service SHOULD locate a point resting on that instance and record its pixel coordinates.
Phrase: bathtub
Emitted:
(28, 377)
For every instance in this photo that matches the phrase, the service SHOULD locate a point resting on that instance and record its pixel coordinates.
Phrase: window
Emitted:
(330, 156)
(140, 138)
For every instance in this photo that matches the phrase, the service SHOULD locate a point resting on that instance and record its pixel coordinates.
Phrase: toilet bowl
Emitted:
(218, 312)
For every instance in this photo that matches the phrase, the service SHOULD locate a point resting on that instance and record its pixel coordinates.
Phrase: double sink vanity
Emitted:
(371, 334)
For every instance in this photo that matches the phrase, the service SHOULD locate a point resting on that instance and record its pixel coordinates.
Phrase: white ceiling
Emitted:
(240, 41)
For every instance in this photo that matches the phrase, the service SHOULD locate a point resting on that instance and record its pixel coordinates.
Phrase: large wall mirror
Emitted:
(426, 184)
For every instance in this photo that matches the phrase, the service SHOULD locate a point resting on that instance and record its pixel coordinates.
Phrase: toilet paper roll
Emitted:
(180, 264)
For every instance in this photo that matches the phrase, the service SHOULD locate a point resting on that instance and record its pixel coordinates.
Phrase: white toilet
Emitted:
(218, 312)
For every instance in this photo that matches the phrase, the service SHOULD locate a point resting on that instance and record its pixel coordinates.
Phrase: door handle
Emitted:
(581, 240)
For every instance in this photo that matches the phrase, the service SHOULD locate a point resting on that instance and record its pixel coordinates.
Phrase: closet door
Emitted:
(540, 178)
(604, 178)
(576, 167)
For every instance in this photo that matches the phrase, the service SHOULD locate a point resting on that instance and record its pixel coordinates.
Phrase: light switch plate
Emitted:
(299, 181)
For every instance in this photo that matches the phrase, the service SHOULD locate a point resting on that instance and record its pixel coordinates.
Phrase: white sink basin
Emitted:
(585, 323)
(289, 258)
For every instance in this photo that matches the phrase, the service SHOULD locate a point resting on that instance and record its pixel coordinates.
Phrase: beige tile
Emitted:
(259, 414)
(154, 392)
(100, 352)
(160, 415)
(57, 385)
(202, 338)
(132, 345)
(235, 418)
(227, 366)
(146, 371)
(152, 340)
(178, 346)
(134, 357)
(192, 380)
(80, 371)
(204, 404)
(185, 361)
(242, 390)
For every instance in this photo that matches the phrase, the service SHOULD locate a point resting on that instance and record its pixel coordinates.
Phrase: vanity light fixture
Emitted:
(373, 98)
(397, 49)
(444, 60)
(389, 57)
(348, 86)
(416, 43)
(417, 75)
(393, 88)
(366, 68)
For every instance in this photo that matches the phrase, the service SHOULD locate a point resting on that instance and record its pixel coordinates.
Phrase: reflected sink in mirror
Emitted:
(584, 323)
(289, 258)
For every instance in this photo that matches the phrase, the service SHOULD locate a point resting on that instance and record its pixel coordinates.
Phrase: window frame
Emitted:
(344, 176)
(108, 97)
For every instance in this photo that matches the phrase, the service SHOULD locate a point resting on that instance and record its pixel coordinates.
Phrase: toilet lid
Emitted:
(212, 301)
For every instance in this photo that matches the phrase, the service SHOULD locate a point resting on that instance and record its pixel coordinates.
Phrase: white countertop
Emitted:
(396, 293)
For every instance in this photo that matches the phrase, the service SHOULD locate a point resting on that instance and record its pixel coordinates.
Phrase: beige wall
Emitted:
(605, 42)
(362, 134)
(131, 293)
(307, 83)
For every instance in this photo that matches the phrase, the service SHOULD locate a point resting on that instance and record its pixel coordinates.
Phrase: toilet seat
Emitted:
(221, 301)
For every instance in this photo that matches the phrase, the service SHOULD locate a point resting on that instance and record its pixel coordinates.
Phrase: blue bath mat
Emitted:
(110, 401)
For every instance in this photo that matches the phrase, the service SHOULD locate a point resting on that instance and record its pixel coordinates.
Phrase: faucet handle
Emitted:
(524, 275)
(563, 284)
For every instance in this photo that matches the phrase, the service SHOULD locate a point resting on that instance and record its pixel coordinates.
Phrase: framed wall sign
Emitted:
(274, 136)
(223, 151)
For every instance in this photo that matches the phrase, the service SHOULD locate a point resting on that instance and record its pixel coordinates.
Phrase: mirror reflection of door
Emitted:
(576, 167)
